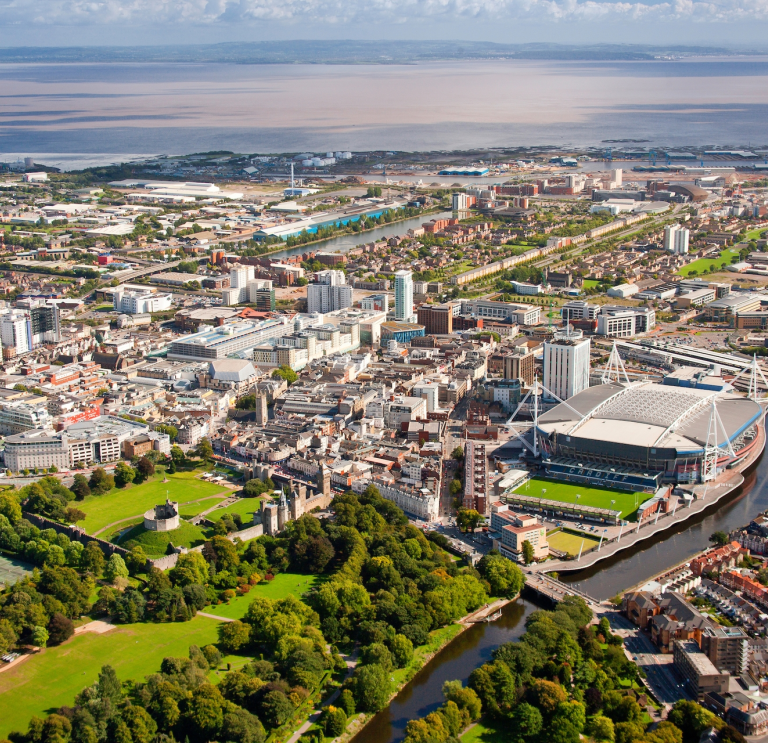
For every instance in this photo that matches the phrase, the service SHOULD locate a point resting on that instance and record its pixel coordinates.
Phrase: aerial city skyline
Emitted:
(384, 373)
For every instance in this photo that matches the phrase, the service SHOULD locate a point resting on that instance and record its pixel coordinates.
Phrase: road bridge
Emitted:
(555, 590)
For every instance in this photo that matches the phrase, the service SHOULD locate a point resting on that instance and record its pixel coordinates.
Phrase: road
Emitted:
(453, 430)
(661, 676)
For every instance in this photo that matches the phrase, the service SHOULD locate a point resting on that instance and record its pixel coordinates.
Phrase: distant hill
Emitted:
(349, 52)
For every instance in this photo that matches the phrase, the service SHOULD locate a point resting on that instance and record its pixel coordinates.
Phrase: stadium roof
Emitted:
(648, 414)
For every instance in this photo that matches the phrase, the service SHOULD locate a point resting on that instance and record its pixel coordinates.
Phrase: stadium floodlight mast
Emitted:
(756, 377)
(614, 369)
(534, 390)
(712, 448)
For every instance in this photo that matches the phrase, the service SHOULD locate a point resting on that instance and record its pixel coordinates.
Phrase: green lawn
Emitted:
(155, 543)
(706, 263)
(47, 681)
(754, 234)
(283, 584)
(244, 506)
(483, 733)
(566, 492)
(590, 283)
(571, 541)
(133, 500)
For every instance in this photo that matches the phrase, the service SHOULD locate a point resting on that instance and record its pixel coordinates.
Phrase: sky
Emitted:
(129, 22)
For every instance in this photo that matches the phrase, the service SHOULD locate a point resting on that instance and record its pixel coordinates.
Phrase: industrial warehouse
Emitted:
(632, 436)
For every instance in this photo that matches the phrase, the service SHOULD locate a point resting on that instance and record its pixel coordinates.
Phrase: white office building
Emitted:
(16, 333)
(140, 302)
(566, 364)
(330, 293)
(430, 393)
(404, 296)
(676, 239)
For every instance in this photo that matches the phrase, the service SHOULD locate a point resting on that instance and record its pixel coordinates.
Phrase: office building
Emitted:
(522, 314)
(17, 416)
(625, 322)
(375, 303)
(36, 449)
(232, 338)
(676, 239)
(139, 302)
(437, 319)
(566, 364)
(520, 364)
(430, 393)
(15, 333)
(510, 530)
(330, 293)
(404, 296)
(699, 671)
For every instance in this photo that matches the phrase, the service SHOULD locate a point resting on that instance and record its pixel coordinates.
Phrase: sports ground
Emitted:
(566, 492)
(570, 541)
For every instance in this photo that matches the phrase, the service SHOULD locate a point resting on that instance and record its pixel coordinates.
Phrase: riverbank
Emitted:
(358, 729)
(293, 249)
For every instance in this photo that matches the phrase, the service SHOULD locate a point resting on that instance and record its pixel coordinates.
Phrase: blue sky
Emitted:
(98, 22)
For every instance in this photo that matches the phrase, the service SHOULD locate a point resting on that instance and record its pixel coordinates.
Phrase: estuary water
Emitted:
(117, 110)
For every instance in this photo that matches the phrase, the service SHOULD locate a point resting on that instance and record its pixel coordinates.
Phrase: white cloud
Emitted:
(203, 12)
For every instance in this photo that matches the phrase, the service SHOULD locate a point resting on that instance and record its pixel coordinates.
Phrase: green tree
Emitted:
(457, 454)
(371, 688)
(116, 568)
(286, 373)
(72, 515)
(720, 538)
(80, 487)
(276, 708)
(206, 711)
(527, 721)
(600, 728)
(39, 636)
(505, 578)
(334, 721)
(468, 519)
(101, 482)
(92, 559)
(10, 507)
(234, 635)
(124, 474)
(528, 552)
(692, 719)
(204, 451)
(402, 651)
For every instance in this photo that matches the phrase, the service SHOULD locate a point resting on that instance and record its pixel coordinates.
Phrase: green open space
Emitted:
(155, 543)
(704, 264)
(44, 682)
(243, 506)
(13, 569)
(754, 234)
(566, 492)
(565, 540)
(485, 733)
(590, 283)
(282, 585)
(133, 500)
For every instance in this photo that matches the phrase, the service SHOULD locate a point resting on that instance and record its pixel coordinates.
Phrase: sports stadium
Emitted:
(634, 436)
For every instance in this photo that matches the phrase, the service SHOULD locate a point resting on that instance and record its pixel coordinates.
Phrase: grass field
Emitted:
(47, 681)
(283, 584)
(133, 500)
(590, 283)
(566, 492)
(754, 234)
(483, 733)
(155, 543)
(706, 263)
(244, 506)
(570, 541)
(12, 569)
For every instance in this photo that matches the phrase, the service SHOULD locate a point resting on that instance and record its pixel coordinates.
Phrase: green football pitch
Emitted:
(566, 492)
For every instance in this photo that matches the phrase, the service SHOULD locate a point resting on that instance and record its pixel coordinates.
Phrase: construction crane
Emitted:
(609, 155)
(652, 156)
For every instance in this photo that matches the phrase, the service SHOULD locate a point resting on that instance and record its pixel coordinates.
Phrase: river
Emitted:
(474, 647)
(343, 243)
